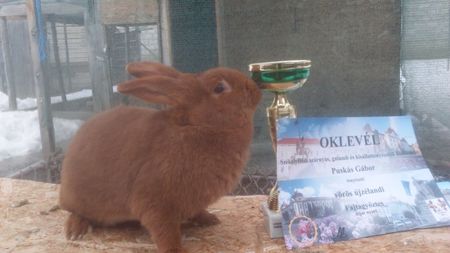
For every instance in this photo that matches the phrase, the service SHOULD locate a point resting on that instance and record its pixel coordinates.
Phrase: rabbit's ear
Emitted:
(155, 89)
(145, 68)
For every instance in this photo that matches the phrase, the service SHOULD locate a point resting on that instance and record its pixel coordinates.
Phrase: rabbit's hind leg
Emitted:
(165, 233)
(76, 227)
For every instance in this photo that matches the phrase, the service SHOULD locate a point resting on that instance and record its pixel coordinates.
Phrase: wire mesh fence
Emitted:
(258, 183)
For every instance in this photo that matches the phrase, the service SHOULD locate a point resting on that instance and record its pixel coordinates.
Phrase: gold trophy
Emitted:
(279, 77)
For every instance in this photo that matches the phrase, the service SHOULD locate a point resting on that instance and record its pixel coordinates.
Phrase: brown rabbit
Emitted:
(160, 167)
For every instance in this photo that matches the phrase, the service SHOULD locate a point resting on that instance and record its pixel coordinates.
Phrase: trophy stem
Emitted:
(280, 108)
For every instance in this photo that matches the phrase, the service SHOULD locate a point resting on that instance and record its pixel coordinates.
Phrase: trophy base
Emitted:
(272, 221)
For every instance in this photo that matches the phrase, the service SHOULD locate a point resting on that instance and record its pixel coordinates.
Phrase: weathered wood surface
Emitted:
(98, 59)
(116, 12)
(59, 72)
(63, 9)
(29, 222)
(40, 72)
(8, 68)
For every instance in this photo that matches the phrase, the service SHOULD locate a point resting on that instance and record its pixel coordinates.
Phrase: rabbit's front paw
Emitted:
(176, 251)
(205, 218)
(76, 227)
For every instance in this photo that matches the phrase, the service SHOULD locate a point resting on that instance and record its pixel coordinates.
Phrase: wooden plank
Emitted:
(98, 58)
(8, 68)
(124, 99)
(57, 59)
(19, 42)
(70, 12)
(14, 17)
(42, 94)
(66, 45)
(129, 12)
(13, 10)
(73, 115)
(165, 38)
(38, 227)
(11, 165)
(127, 44)
(28, 169)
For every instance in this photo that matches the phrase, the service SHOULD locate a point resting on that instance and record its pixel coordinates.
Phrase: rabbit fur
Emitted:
(160, 167)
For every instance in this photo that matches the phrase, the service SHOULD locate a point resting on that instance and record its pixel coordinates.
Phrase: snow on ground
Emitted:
(21, 103)
(29, 103)
(19, 130)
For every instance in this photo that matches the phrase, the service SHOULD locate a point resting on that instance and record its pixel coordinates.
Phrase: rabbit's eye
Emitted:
(220, 87)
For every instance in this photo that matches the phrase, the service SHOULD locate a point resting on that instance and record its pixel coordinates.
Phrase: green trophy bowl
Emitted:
(280, 76)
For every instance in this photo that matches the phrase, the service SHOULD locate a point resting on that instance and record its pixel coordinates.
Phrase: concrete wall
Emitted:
(354, 47)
